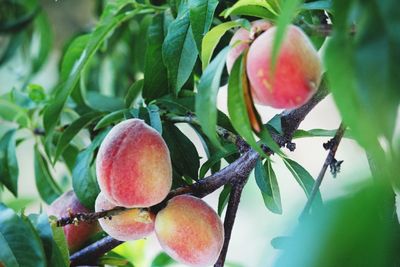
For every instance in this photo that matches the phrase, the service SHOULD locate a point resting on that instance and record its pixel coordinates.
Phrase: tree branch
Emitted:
(238, 169)
(330, 160)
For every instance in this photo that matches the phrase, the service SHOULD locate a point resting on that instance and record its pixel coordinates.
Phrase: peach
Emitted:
(241, 40)
(76, 235)
(297, 73)
(133, 165)
(128, 225)
(190, 231)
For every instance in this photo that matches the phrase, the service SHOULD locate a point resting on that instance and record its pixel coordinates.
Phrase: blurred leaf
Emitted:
(8, 162)
(134, 92)
(36, 93)
(229, 149)
(11, 112)
(304, 178)
(179, 50)
(201, 17)
(318, 133)
(266, 181)
(155, 120)
(155, 72)
(206, 99)
(7, 257)
(256, 8)
(104, 103)
(43, 36)
(21, 238)
(84, 181)
(212, 38)
(20, 203)
(12, 47)
(110, 118)
(45, 184)
(161, 260)
(184, 156)
(318, 5)
(72, 130)
(108, 22)
(224, 198)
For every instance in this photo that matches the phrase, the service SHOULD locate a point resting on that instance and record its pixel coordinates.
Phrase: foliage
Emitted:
(166, 61)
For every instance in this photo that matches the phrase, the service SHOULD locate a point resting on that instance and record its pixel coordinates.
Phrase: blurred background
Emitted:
(255, 226)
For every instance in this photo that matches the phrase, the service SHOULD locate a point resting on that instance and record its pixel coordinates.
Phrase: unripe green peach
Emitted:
(133, 165)
(190, 231)
(76, 235)
(241, 40)
(128, 225)
(297, 73)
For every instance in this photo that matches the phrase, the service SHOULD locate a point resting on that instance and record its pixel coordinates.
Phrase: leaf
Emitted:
(7, 257)
(161, 260)
(155, 72)
(155, 120)
(72, 54)
(61, 243)
(206, 98)
(266, 181)
(108, 22)
(212, 38)
(22, 239)
(223, 198)
(318, 133)
(184, 156)
(229, 149)
(8, 162)
(179, 50)
(45, 184)
(110, 118)
(318, 5)
(257, 8)
(11, 112)
(44, 40)
(201, 17)
(72, 130)
(134, 92)
(84, 181)
(303, 177)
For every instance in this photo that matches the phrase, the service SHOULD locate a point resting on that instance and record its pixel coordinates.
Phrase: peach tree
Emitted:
(134, 172)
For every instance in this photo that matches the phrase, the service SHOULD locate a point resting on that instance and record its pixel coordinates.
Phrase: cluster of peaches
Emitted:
(134, 170)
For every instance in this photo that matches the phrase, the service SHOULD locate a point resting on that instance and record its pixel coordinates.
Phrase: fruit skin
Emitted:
(133, 165)
(190, 231)
(128, 225)
(241, 40)
(297, 73)
(76, 235)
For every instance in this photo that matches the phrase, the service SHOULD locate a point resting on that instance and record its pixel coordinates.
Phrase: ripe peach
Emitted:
(241, 41)
(190, 231)
(297, 70)
(133, 165)
(76, 235)
(128, 225)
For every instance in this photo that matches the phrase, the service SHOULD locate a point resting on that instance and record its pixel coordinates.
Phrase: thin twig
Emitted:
(76, 218)
(332, 145)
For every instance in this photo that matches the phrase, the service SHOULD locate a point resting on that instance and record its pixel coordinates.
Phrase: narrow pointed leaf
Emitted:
(8, 162)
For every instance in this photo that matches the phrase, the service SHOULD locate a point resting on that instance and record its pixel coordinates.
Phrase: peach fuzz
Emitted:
(190, 231)
(128, 225)
(297, 72)
(241, 40)
(76, 235)
(133, 165)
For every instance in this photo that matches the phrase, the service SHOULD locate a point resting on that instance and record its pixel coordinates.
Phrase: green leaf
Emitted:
(108, 22)
(72, 54)
(22, 239)
(266, 181)
(45, 184)
(257, 8)
(201, 17)
(223, 198)
(184, 156)
(11, 112)
(318, 5)
(84, 180)
(110, 118)
(7, 257)
(179, 50)
(134, 92)
(73, 130)
(43, 36)
(206, 99)
(61, 243)
(155, 72)
(303, 177)
(212, 38)
(237, 106)
(155, 120)
(8, 162)
(161, 260)
(318, 133)
(229, 149)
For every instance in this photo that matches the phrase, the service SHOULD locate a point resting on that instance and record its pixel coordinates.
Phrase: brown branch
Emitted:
(75, 218)
(330, 160)
(237, 170)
